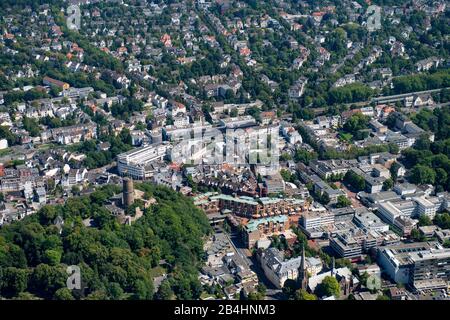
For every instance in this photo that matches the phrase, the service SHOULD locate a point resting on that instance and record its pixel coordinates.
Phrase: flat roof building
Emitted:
(134, 162)
(422, 265)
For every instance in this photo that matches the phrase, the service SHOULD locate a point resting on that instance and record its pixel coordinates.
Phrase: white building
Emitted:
(134, 162)
(3, 144)
(278, 270)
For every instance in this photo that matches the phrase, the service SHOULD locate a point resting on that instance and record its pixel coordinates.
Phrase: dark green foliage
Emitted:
(356, 125)
(429, 161)
(328, 287)
(421, 82)
(350, 93)
(8, 135)
(304, 295)
(125, 109)
(425, 220)
(96, 158)
(343, 201)
(115, 260)
(354, 180)
(32, 126)
(421, 174)
(443, 220)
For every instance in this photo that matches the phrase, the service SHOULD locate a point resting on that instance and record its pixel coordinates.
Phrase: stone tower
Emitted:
(302, 272)
(128, 192)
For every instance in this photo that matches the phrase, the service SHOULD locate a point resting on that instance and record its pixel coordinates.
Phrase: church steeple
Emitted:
(302, 272)
(333, 266)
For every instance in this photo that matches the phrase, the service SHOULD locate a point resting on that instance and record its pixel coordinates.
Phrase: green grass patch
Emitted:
(345, 136)
(157, 271)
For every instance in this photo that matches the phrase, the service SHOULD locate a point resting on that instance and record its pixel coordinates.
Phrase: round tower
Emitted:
(128, 192)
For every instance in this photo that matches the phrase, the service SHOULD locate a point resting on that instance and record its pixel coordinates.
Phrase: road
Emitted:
(272, 292)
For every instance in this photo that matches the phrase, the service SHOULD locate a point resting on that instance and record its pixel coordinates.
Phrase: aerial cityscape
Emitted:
(224, 150)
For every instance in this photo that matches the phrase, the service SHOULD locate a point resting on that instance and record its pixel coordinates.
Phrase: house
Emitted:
(325, 55)
(258, 229)
(278, 269)
(53, 82)
(74, 134)
(347, 281)
(291, 135)
(177, 108)
(422, 100)
(73, 177)
(427, 64)
(267, 117)
(298, 88)
(274, 184)
(3, 144)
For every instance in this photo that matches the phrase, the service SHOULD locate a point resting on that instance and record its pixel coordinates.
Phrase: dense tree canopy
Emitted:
(116, 260)
(328, 287)
(429, 161)
(421, 82)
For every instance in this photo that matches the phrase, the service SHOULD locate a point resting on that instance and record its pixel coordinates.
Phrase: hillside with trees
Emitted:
(116, 261)
(430, 161)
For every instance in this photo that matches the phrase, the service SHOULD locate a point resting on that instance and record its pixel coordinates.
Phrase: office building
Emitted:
(134, 163)
(421, 265)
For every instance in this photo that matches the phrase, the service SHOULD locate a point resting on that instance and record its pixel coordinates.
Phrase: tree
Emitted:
(328, 287)
(447, 243)
(8, 135)
(13, 281)
(394, 170)
(363, 278)
(355, 180)
(97, 295)
(46, 280)
(63, 294)
(441, 176)
(255, 295)
(421, 174)
(143, 290)
(442, 220)
(388, 184)
(32, 126)
(165, 291)
(289, 287)
(47, 215)
(304, 295)
(417, 236)
(304, 156)
(52, 257)
(286, 175)
(356, 123)
(343, 201)
(262, 289)
(393, 148)
(115, 291)
(115, 260)
(350, 93)
(324, 198)
(75, 190)
(425, 220)
(26, 296)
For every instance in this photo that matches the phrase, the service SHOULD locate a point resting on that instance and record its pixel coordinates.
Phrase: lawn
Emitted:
(346, 136)
(157, 271)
